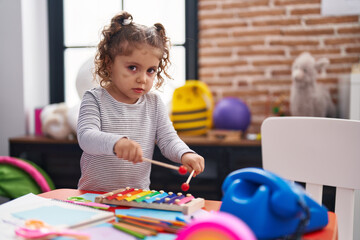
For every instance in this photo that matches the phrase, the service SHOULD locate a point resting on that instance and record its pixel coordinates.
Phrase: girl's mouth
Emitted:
(138, 90)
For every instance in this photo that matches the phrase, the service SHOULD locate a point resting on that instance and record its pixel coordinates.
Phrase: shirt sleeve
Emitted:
(90, 137)
(168, 141)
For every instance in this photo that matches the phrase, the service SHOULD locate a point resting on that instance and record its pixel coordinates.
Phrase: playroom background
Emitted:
(245, 50)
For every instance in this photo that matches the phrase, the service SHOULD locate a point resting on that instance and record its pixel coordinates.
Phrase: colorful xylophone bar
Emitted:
(131, 197)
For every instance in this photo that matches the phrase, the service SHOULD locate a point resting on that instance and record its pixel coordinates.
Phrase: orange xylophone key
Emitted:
(129, 194)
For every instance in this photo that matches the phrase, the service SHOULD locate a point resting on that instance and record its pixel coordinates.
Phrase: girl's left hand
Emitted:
(193, 161)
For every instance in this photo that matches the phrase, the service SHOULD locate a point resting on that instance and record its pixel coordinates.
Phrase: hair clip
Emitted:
(126, 21)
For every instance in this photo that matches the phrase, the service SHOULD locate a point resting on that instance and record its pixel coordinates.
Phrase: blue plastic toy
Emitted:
(270, 205)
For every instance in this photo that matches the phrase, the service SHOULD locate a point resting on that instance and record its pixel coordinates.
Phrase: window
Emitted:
(75, 29)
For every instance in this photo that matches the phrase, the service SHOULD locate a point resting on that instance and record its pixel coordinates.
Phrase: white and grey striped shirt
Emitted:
(103, 121)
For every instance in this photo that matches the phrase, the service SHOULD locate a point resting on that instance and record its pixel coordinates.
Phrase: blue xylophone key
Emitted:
(162, 200)
(172, 200)
(153, 198)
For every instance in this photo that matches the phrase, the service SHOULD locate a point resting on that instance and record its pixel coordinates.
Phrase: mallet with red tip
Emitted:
(182, 169)
(185, 186)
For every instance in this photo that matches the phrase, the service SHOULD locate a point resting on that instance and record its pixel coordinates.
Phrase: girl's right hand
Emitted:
(129, 150)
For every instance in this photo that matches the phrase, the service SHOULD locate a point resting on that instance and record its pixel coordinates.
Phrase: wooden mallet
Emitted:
(185, 186)
(182, 169)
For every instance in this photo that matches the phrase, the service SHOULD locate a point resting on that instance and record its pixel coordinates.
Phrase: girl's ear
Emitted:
(321, 63)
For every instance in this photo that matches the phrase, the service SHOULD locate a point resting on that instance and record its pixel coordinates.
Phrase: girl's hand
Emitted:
(128, 150)
(193, 161)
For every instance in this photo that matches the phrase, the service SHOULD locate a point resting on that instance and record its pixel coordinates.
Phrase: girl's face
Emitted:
(133, 76)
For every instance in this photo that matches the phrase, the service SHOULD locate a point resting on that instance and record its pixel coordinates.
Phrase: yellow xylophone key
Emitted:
(133, 197)
(147, 196)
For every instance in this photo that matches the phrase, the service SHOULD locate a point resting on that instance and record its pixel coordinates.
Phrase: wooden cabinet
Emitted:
(61, 160)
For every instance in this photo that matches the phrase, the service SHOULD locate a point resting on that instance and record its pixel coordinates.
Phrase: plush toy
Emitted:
(60, 121)
(54, 121)
(307, 97)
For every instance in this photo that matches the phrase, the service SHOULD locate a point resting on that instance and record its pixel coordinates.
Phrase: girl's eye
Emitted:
(151, 70)
(132, 68)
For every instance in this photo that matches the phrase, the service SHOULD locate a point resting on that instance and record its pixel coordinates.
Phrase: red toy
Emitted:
(185, 186)
(182, 170)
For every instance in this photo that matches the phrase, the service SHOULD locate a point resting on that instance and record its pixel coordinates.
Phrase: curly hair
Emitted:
(121, 37)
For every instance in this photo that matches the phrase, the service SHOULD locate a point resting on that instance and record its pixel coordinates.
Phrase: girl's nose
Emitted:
(141, 78)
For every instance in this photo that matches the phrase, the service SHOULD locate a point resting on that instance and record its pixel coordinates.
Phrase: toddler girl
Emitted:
(120, 121)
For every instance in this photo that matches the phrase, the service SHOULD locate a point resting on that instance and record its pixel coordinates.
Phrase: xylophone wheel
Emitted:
(217, 226)
(185, 187)
(182, 170)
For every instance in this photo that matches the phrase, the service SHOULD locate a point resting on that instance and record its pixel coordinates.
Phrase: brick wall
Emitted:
(246, 48)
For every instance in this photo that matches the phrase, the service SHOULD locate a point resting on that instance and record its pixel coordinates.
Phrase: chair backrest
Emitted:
(317, 152)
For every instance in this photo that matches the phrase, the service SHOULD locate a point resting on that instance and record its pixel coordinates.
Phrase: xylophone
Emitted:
(131, 197)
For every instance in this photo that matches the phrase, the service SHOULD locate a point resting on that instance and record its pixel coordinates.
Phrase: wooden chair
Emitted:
(317, 152)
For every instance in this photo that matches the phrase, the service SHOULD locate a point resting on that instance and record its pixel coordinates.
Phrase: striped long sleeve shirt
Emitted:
(103, 121)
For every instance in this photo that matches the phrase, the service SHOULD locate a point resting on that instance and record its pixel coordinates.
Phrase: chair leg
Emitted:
(357, 215)
(344, 209)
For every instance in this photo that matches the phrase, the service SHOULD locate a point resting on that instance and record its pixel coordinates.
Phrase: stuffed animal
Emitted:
(54, 121)
(307, 97)
(60, 121)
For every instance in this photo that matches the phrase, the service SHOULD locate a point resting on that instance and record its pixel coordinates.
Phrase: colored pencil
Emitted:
(137, 228)
(155, 226)
(173, 222)
(159, 227)
(138, 218)
(140, 225)
(133, 233)
(152, 220)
